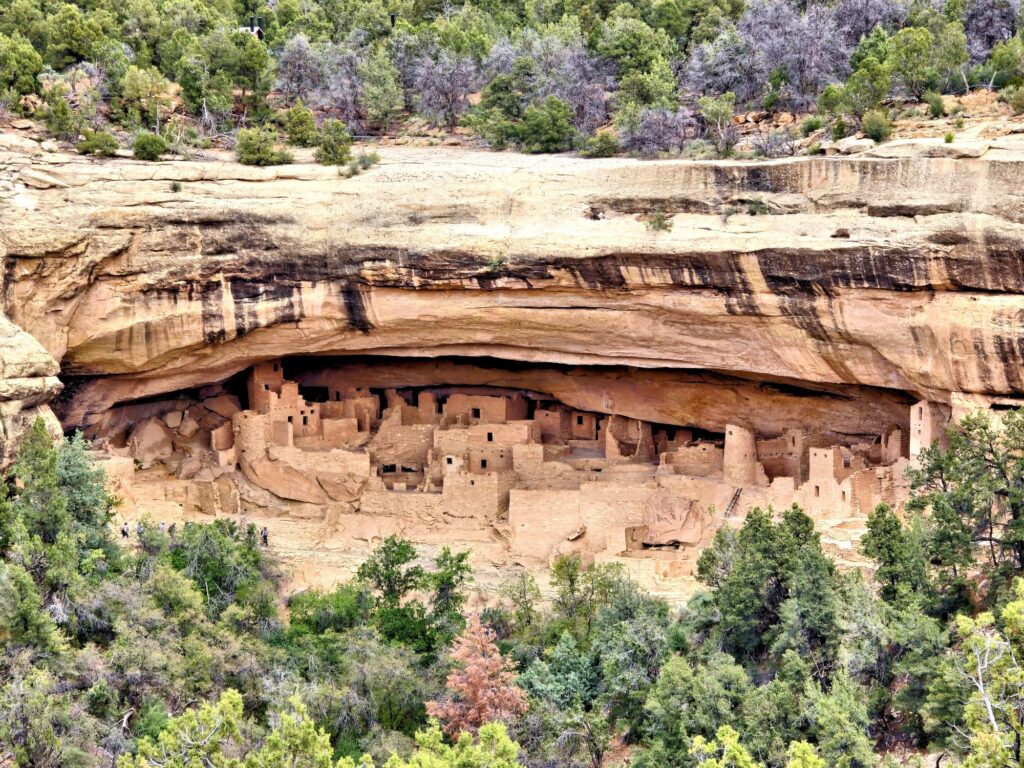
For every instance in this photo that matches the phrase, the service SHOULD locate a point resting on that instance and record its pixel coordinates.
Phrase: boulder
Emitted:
(224, 405)
(851, 145)
(284, 480)
(150, 441)
(189, 468)
(188, 426)
(173, 419)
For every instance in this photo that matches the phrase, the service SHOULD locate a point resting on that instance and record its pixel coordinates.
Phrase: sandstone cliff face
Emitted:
(28, 380)
(816, 292)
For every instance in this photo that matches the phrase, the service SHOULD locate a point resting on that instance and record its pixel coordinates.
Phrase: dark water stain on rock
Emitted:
(356, 306)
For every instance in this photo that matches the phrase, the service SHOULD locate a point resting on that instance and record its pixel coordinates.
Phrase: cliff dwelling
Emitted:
(483, 452)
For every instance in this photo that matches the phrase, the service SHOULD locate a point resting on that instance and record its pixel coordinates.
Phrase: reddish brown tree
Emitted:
(482, 688)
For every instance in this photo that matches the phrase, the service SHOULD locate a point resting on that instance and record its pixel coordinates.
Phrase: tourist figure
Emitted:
(265, 536)
(163, 526)
(139, 529)
(124, 530)
(172, 529)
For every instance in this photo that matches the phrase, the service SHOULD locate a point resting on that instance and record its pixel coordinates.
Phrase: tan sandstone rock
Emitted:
(150, 441)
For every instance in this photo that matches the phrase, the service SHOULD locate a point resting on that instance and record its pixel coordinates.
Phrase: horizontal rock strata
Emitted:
(834, 279)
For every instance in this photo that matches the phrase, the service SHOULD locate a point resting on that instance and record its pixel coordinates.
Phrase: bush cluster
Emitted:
(149, 146)
(98, 143)
(258, 146)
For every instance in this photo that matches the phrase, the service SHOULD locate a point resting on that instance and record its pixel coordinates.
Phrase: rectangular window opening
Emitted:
(475, 413)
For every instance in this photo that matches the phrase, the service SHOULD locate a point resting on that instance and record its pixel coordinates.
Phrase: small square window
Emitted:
(476, 413)
(449, 460)
(266, 386)
(289, 419)
(579, 421)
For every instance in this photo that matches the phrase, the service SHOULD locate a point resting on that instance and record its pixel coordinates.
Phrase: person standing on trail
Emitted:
(140, 529)
(265, 536)
(172, 529)
(124, 530)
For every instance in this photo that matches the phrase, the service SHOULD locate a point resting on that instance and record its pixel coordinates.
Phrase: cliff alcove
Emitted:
(793, 340)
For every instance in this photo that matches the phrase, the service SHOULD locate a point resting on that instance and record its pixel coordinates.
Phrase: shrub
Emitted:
(1014, 96)
(496, 264)
(659, 221)
(20, 64)
(936, 106)
(546, 127)
(810, 125)
(602, 144)
(773, 144)
(382, 95)
(335, 144)
(315, 612)
(700, 149)
(367, 159)
(299, 124)
(815, 149)
(492, 126)
(948, 138)
(359, 163)
(757, 207)
(61, 120)
(718, 113)
(255, 146)
(876, 126)
(149, 146)
(654, 131)
(98, 143)
(840, 129)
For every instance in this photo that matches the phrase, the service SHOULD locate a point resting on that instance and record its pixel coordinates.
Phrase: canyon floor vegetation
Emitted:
(647, 77)
(179, 650)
